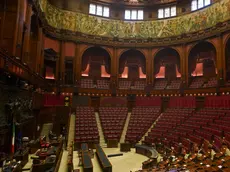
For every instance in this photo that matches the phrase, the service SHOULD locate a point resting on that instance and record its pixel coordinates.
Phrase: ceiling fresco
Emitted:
(92, 25)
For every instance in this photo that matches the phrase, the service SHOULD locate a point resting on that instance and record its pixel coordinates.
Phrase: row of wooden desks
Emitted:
(87, 163)
(103, 160)
(86, 159)
(146, 150)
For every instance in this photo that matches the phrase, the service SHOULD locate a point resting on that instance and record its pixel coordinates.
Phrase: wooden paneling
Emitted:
(9, 20)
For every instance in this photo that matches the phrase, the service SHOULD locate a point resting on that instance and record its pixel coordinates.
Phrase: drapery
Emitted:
(86, 71)
(125, 73)
(217, 101)
(133, 72)
(104, 73)
(141, 74)
(170, 62)
(198, 70)
(148, 101)
(161, 73)
(95, 70)
(95, 63)
(189, 102)
(178, 74)
(209, 68)
(53, 100)
(113, 101)
(208, 60)
(132, 60)
(170, 71)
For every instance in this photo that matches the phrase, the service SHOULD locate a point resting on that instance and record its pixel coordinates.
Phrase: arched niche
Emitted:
(96, 63)
(227, 60)
(132, 65)
(167, 64)
(202, 60)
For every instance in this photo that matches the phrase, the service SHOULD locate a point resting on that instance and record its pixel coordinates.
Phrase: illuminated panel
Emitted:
(104, 74)
(199, 70)
(178, 75)
(141, 74)
(125, 72)
(86, 72)
(161, 73)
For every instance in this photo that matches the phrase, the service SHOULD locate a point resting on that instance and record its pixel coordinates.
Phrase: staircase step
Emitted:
(149, 130)
(100, 131)
(71, 133)
(122, 139)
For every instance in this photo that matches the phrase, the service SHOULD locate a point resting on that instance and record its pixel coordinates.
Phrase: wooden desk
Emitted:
(84, 147)
(22, 156)
(103, 160)
(125, 147)
(112, 143)
(146, 150)
(86, 162)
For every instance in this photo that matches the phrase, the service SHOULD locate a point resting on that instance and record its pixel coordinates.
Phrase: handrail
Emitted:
(29, 72)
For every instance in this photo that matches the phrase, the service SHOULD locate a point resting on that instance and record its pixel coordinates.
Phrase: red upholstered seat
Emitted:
(112, 121)
(86, 127)
(141, 120)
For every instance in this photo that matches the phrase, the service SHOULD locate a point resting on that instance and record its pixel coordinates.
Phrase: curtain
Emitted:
(53, 100)
(125, 73)
(189, 102)
(133, 72)
(141, 74)
(104, 72)
(148, 101)
(170, 71)
(198, 71)
(209, 68)
(95, 70)
(161, 73)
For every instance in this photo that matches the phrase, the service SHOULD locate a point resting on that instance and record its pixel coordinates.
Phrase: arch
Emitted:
(97, 57)
(163, 48)
(204, 51)
(136, 61)
(128, 50)
(169, 58)
(92, 46)
(199, 43)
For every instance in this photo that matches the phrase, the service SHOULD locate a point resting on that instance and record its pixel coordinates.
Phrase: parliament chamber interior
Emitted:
(115, 85)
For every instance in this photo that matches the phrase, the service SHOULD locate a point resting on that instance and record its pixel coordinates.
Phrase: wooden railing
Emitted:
(15, 66)
(162, 93)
